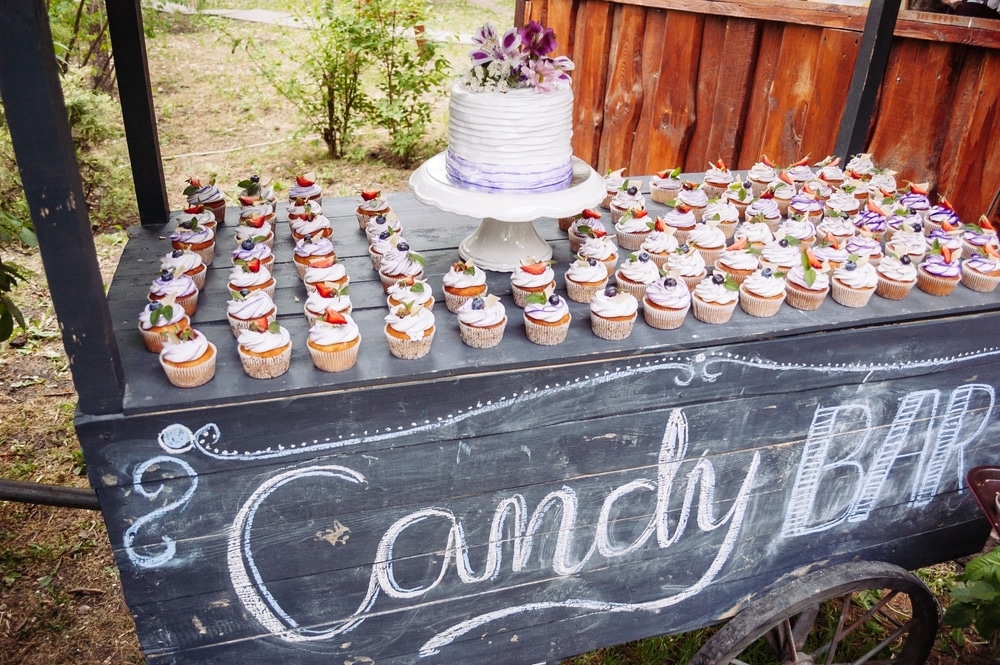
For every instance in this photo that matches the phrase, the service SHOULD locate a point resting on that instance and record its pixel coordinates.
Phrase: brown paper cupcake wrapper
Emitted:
(890, 289)
(388, 281)
(630, 241)
(613, 330)
(520, 295)
(664, 196)
(755, 305)
(199, 278)
(709, 312)
(408, 349)
(662, 318)
(453, 302)
(638, 290)
(849, 297)
(266, 368)
(934, 285)
(194, 376)
(335, 361)
(804, 299)
(977, 281)
(236, 325)
(710, 255)
(545, 335)
(481, 338)
(582, 292)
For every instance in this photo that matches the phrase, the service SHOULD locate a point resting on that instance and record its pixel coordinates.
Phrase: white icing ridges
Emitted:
(518, 141)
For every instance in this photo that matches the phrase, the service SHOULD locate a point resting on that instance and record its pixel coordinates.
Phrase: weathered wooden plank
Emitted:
(757, 139)
(832, 78)
(624, 94)
(591, 56)
(792, 90)
(653, 52)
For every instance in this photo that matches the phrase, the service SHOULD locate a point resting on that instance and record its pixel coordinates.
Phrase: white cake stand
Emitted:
(507, 235)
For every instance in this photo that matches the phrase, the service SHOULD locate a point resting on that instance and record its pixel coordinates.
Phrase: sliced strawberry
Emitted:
(689, 185)
(306, 179)
(767, 194)
(248, 200)
(832, 239)
(535, 268)
(195, 210)
(807, 189)
(813, 260)
(261, 324)
(948, 226)
(721, 165)
(334, 317)
(370, 194)
(591, 214)
(984, 223)
(682, 207)
(991, 250)
(835, 162)
(325, 289)
(802, 162)
(944, 204)
(784, 177)
(598, 233)
(664, 174)
(194, 182)
(321, 261)
(851, 173)
(873, 207)
(739, 244)
(257, 221)
(409, 280)
(920, 188)
(946, 253)
(660, 225)
(767, 162)
(253, 265)
(639, 214)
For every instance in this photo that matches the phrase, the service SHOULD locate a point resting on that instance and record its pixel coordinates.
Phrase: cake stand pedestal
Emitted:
(507, 235)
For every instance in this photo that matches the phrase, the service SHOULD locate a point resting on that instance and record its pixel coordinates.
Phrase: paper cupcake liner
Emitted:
(891, 289)
(681, 235)
(376, 260)
(409, 349)
(583, 292)
(236, 325)
(198, 278)
(694, 280)
(335, 361)
(849, 297)
(710, 255)
(189, 304)
(661, 195)
(545, 335)
(610, 329)
(565, 223)
(738, 276)
(153, 339)
(978, 281)
(713, 191)
(453, 301)
(521, 295)
(575, 243)
(207, 254)
(710, 312)
(481, 338)
(698, 212)
(218, 208)
(663, 318)
(758, 306)
(365, 216)
(265, 368)
(804, 299)
(606, 203)
(758, 187)
(630, 241)
(659, 259)
(934, 285)
(194, 375)
(729, 228)
(635, 288)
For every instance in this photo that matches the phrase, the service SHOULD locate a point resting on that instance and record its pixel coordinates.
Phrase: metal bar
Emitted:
(869, 68)
(128, 45)
(48, 495)
(43, 147)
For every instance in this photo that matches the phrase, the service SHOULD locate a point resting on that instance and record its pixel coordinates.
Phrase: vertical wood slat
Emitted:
(43, 147)
(624, 96)
(593, 18)
(831, 81)
(129, 48)
(793, 88)
(756, 139)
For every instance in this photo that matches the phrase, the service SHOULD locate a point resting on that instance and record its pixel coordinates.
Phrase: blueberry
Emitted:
(478, 303)
(380, 219)
(718, 278)
(554, 300)
(155, 305)
(166, 276)
(255, 178)
(384, 235)
(247, 244)
(643, 257)
(670, 282)
(906, 260)
(766, 272)
(610, 291)
(783, 242)
(632, 191)
(850, 265)
(918, 228)
(186, 224)
(177, 253)
(403, 246)
(244, 292)
(683, 248)
(307, 239)
(591, 261)
(746, 184)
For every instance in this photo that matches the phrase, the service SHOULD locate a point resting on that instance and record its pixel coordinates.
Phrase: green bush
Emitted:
(975, 600)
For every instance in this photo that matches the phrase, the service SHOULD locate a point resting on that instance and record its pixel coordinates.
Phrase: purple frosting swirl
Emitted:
(936, 265)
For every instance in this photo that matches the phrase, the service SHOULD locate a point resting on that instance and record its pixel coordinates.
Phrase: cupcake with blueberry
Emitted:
(666, 303)
(688, 264)
(694, 199)
(194, 237)
(333, 342)
(627, 199)
(717, 179)
(546, 318)
(783, 254)
(806, 284)
(409, 330)
(463, 282)
(586, 225)
(838, 226)
(265, 349)
(531, 277)
(257, 229)
(187, 262)
(762, 293)
(603, 249)
(613, 313)
(613, 181)
(383, 244)
(842, 203)
(636, 273)
(247, 306)
(251, 275)
(799, 228)
(939, 272)
(380, 223)
(310, 224)
(400, 263)
(908, 239)
(326, 298)
(410, 292)
(254, 192)
(898, 219)
(853, 283)
(896, 277)
(159, 319)
(313, 252)
(714, 299)
(584, 278)
(832, 251)
(981, 270)
(738, 262)
(664, 185)
(188, 358)
(632, 228)
(198, 214)
(660, 244)
(176, 285)
(249, 250)
(205, 193)
(864, 245)
(760, 174)
(481, 321)
(371, 205)
(305, 188)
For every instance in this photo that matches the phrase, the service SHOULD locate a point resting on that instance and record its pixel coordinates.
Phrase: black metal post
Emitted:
(869, 68)
(43, 147)
(48, 495)
(128, 43)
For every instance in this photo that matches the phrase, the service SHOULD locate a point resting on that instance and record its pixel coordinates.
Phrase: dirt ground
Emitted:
(60, 597)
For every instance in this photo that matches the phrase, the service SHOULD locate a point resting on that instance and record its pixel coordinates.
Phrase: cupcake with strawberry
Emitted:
(194, 237)
(481, 321)
(781, 190)
(837, 225)
(371, 205)
(628, 199)
(205, 193)
(724, 213)
(333, 276)
(761, 174)
(915, 199)
(976, 237)
(872, 219)
(694, 198)
(807, 283)
(325, 298)
(199, 214)
(739, 195)
(806, 206)
(255, 228)
(586, 225)
(613, 313)
(681, 218)
(799, 228)
(831, 250)
(853, 283)
(896, 277)
(188, 358)
(187, 262)
(755, 232)
(410, 292)
(666, 303)
(251, 275)
(664, 186)
(939, 272)
(299, 207)
(409, 330)
(265, 349)
(864, 245)
(714, 299)
(981, 270)
(829, 171)
(247, 306)
(800, 173)
(310, 224)
(940, 216)
(531, 276)
(463, 282)
(305, 188)
(842, 203)
(660, 243)
(176, 285)
(159, 319)
(334, 341)
(254, 192)
(400, 263)
(632, 228)
(717, 179)
(584, 278)
(311, 251)
(256, 210)
(546, 318)
(249, 250)
(738, 261)
(908, 239)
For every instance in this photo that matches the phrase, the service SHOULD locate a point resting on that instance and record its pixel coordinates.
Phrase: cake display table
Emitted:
(507, 233)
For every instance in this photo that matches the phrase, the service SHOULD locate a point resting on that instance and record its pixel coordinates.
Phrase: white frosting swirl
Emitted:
(406, 293)
(262, 342)
(721, 211)
(548, 312)
(739, 259)
(239, 278)
(243, 232)
(797, 276)
(186, 262)
(297, 191)
(765, 287)
(707, 236)
(621, 304)
(254, 306)
(396, 262)
(305, 226)
(690, 264)
(892, 268)
(708, 291)
(601, 249)
(334, 273)
(525, 279)
(862, 277)
(183, 351)
(146, 316)
(460, 279)
(489, 315)
(582, 272)
(675, 296)
(643, 272)
(413, 324)
(754, 233)
(696, 198)
(180, 286)
(775, 254)
(323, 333)
(659, 242)
(318, 304)
(632, 224)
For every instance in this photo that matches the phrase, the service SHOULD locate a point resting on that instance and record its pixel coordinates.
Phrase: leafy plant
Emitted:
(975, 600)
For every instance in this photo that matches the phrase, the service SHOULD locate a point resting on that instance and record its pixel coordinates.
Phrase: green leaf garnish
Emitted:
(536, 298)
(416, 258)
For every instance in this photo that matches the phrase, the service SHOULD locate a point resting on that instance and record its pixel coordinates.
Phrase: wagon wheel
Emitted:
(782, 626)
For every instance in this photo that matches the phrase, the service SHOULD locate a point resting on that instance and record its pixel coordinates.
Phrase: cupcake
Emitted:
(178, 286)
(819, 189)
(371, 205)
(800, 173)
(666, 303)
(199, 215)
(952, 241)
(334, 341)
(313, 252)
(908, 240)
(546, 318)
(664, 186)
(882, 181)
(300, 207)
(636, 273)
(806, 206)
(159, 319)
(584, 278)
(829, 171)
(726, 214)
(632, 228)
(532, 276)
(737, 261)
(680, 218)
(400, 263)
(872, 219)
(248, 306)
(762, 293)
(806, 285)
(257, 229)
(830, 250)
(380, 223)
(481, 321)
(915, 199)
(187, 262)
(940, 216)
(194, 237)
(265, 349)
(862, 165)
(409, 329)
(411, 292)
(660, 243)
(740, 196)
(305, 188)
(248, 250)
(981, 271)
(900, 219)
(688, 264)
(853, 283)
(613, 181)
(760, 174)
(896, 276)
(939, 272)
(207, 195)
(764, 209)
(783, 254)
(976, 237)
(310, 224)
(694, 199)
(755, 232)
(251, 275)
(253, 192)
(865, 246)
(333, 277)
(587, 225)
(626, 199)
(188, 359)
(256, 214)
(709, 240)
(463, 282)
(386, 242)
(843, 203)
(613, 314)
(717, 178)
(603, 249)
(799, 228)
(781, 191)
(326, 298)
(714, 299)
